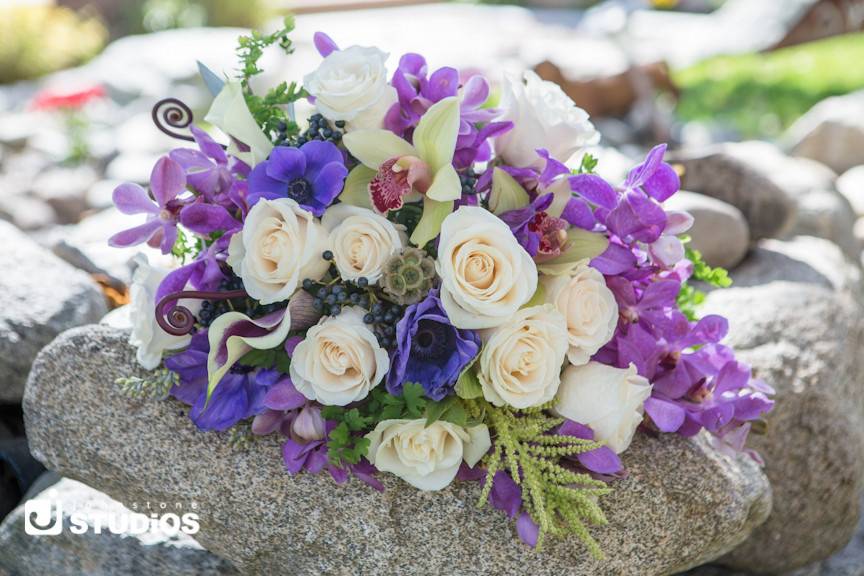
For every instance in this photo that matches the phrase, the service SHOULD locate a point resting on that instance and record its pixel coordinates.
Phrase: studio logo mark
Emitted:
(43, 516)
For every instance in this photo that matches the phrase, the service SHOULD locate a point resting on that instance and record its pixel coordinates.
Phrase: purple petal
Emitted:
(663, 183)
(167, 180)
(294, 456)
(527, 530)
(133, 199)
(578, 213)
(324, 44)
(413, 64)
(208, 145)
(475, 92)
(319, 154)
(615, 260)
(169, 237)
(505, 494)
(285, 164)
(594, 189)
(752, 406)
(553, 168)
(641, 173)
(267, 422)
(442, 83)
(284, 396)
(603, 460)
(207, 218)
(668, 417)
(638, 217)
(136, 235)
(260, 185)
(175, 281)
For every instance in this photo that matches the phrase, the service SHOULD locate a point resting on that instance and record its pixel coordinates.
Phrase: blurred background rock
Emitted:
(762, 102)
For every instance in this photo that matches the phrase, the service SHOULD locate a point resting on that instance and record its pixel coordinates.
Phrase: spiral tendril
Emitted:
(171, 113)
(179, 320)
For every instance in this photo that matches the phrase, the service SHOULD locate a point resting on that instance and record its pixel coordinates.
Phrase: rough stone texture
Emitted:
(719, 230)
(831, 132)
(719, 172)
(851, 185)
(105, 554)
(827, 214)
(682, 504)
(848, 562)
(41, 297)
(795, 316)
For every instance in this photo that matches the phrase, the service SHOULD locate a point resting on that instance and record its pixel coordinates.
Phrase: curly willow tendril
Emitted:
(559, 500)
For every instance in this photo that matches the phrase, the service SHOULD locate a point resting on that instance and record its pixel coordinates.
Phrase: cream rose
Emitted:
(589, 308)
(609, 400)
(520, 364)
(349, 83)
(149, 339)
(427, 457)
(543, 117)
(280, 245)
(361, 240)
(339, 361)
(486, 276)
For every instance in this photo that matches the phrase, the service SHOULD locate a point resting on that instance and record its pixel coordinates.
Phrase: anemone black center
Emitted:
(299, 190)
(432, 340)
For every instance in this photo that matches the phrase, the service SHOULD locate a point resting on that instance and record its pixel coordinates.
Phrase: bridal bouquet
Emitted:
(410, 280)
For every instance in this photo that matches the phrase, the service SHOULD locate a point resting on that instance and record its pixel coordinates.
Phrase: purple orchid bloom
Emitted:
(240, 393)
(209, 170)
(541, 235)
(312, 175)
(417, 90)
(430, 350)
(167, 183)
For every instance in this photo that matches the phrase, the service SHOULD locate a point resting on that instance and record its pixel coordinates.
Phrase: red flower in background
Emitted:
(53, 100)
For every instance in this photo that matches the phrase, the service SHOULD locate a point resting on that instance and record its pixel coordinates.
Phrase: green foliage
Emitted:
(588, 165)
(761, 94)
(559, 500)
(155, 386)
(690, 298)
(37, 40)
(273, 358)
(185, 247)
(268, 110)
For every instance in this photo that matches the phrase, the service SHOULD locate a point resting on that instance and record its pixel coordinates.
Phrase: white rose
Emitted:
(147, 336)
(543, 117)
(280, 245)
(339, 361)
(607, 399)
(427, 457)
(520, 364)
(361, 240)
(349, 82)
(373, 117)
(486, 276)
(589, 308)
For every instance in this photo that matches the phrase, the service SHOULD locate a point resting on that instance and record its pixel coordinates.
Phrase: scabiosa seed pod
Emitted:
(408, 276)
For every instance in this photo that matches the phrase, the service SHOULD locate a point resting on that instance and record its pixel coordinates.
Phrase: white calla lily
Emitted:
(230, 114)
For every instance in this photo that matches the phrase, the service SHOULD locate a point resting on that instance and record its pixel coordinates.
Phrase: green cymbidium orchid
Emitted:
(392, 170)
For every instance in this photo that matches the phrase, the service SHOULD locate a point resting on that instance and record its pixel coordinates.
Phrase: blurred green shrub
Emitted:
(762, 94)
(164, 14)
(36, 40)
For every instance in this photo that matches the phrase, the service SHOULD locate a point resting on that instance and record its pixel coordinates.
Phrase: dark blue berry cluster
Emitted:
(469, 182)
(330, 298)
(382, 318)
(319, 129)
(212, 309)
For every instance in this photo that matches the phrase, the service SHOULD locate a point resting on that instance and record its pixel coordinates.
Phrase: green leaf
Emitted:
(413, 396)
(506, 194)
(538, 298)
(468, 385)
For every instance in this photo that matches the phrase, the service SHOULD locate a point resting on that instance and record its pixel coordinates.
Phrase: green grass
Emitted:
(762, 94)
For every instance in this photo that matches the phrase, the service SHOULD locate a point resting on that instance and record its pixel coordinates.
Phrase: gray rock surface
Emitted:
(851, 185)
(153, 553)
(682, 504)
(795, 316)
(723, 172)
(848, 562)
(827, 214)
(831, 132)
(40, 296)
(719, 230)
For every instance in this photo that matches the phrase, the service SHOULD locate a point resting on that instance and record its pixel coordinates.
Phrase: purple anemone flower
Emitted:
(430, 350)
(167, 182)
(239, 395)
(312, 175)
